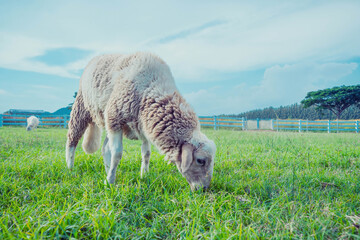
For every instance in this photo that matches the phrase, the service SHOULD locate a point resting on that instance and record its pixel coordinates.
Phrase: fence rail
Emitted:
(214, 121)
(321, 125)
(281, 124)
(217, 122)
(45, 120)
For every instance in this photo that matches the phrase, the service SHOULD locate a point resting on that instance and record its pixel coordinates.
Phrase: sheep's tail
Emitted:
(92, 138)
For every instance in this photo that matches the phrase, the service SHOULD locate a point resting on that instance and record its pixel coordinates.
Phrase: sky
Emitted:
(226, 57)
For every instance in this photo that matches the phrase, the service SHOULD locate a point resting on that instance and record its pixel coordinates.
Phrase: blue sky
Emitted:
(226, 56)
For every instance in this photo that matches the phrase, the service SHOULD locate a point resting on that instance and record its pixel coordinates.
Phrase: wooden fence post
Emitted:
(257, 124)
(215, 123)
(329, 127)
(277, 125)
(357, 126)
(272, 124)
(300, 125)
(1, 120)
(307, 125)
(243, 123)
(67, 121)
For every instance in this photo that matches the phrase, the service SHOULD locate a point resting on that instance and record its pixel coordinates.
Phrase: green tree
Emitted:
(335, 99)
(71, 104)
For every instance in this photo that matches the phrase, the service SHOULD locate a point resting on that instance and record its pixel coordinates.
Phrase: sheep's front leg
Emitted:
(106, 154)
(145, 155)
(116, 148)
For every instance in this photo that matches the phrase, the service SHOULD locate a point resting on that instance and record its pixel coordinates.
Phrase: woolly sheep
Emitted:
(32, 123)
(135, 95)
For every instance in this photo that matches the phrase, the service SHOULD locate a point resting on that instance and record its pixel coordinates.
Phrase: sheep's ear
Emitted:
(186, 156)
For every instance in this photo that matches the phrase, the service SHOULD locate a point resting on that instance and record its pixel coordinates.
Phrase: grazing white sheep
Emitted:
(135, 95)
(32, 123)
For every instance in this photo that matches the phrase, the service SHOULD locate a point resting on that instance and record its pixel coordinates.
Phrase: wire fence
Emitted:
(215, 122)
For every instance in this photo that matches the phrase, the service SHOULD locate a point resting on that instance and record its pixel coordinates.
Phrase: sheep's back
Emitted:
(96, 84)
(33, 121)
(119, 82)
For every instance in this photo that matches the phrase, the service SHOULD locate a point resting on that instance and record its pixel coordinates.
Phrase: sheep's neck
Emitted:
(168, 122)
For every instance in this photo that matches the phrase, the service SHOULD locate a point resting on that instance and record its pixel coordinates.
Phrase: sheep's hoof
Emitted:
(109, 182)
(144, 171)
(143, 174)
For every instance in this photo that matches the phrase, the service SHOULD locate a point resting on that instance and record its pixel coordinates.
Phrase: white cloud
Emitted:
(17, 50)
(3, 92)
(281, 85)
(323, 33)
(250, 36)
(289, 83)
(299, 43)
(201, 100)
(212, 101)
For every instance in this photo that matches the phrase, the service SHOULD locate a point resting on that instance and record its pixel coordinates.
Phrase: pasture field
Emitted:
(267, 185)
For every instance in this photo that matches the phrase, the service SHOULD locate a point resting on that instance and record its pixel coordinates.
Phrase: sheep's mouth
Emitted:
(198, 187)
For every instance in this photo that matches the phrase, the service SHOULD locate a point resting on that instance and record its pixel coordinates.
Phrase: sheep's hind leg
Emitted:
(79, 121)
(106, 154)
(145, 155)
(116, 148)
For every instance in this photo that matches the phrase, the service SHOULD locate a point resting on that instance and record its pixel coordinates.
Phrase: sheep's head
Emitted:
(28, 128)
(196, 161)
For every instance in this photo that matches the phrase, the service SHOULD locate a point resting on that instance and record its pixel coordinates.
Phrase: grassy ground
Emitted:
(265, 185)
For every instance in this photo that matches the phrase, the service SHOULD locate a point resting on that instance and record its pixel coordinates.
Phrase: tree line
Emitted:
(298, 111)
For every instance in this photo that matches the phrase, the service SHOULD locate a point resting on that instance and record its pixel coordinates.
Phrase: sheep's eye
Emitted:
(200, 162)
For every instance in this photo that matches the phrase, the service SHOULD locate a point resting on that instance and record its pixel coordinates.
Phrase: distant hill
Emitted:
(26, 112)
(62, 111)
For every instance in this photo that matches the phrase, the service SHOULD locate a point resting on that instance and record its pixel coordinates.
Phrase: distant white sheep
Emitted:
(135, 95)
(32, 123)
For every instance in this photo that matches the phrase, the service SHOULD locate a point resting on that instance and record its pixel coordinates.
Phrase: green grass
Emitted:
(265, 185)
